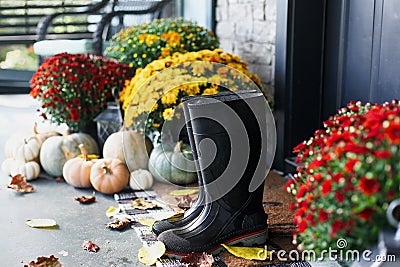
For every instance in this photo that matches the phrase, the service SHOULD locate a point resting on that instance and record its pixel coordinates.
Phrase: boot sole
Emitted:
(248, 240)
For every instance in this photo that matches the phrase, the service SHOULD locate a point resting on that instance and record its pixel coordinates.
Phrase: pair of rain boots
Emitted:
(226, 136)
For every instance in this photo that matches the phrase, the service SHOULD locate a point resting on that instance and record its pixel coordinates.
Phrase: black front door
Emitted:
(328, 53)
(362, 52)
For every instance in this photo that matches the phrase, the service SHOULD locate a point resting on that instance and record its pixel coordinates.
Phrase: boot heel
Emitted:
(250, 240)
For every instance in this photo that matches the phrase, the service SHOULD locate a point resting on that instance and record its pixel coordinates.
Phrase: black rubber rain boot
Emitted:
(194, 211)
(232, 157)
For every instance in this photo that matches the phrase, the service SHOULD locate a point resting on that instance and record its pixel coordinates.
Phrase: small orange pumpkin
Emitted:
(109, 175)
(76, 171)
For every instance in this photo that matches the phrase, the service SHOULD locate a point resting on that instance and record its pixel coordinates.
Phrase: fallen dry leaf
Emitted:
(146, 221)
(85, 199)
(112, 211)
(184, 202)
(118, 224)
(63, 252)
(90, 246)
(45, 262)
(183, 192)
(142, 204)
(149, 255)
(198, 259)
(60, 180)
(41, 223)
(19, 184)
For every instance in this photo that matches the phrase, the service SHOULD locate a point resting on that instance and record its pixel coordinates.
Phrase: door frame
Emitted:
(300, 45)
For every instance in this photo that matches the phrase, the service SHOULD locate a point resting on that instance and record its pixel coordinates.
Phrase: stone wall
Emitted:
(247, 28)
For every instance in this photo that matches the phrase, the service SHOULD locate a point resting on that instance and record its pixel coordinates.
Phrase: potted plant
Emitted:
(154, 93)
(73, 89)
(349, 173)
(141, 44)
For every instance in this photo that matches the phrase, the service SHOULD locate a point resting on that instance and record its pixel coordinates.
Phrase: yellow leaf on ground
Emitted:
(177, 216)
(112, 211)
(41, 223)
(63, 252)
(183, 192)
(147, 221)
(248, 253)
(149, 255)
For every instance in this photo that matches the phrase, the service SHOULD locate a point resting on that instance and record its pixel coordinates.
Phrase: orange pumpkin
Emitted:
(109, 175)
(76, 171)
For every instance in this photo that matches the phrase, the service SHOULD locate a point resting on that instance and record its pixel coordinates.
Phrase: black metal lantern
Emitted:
(109, 121)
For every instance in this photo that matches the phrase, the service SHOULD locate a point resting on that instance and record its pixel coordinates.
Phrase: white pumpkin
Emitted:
(10, 166)
(14, 141)
(140, 180)
(129, 147)
(27, 150)
(26, 139)
(56, 150)
(31, 170)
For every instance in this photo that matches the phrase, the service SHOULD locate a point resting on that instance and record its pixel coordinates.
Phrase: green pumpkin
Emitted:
(173, 163)
(56, 150)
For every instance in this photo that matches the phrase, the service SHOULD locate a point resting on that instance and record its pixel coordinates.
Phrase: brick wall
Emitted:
(247, 28)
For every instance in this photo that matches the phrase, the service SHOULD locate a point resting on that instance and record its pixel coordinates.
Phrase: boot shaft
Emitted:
(228, 133)
(188, 122)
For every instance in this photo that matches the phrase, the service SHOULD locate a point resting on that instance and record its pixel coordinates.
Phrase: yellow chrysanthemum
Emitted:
(168, 114)
(198, 68)
(187, 74)
(155, 106)
(210, 91)
(169, 98)
(151, 39)
(172, 37)
(149, 105)
(165, 51)
(190, 89)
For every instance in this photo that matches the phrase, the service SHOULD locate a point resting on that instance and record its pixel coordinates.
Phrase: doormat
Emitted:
(276, 203)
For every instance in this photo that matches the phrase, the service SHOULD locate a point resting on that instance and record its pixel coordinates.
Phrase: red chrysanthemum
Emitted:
(73, 89)
(349, 167)
(348, 173)
(393, 132)
(335, 227)
(369, 186)
(323, 216)
(339, 197)
(326, 187)
(366, 214)
(302, 226)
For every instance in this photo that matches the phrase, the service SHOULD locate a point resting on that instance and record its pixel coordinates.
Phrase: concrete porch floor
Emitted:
(21, 244)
